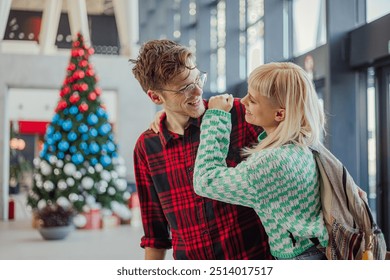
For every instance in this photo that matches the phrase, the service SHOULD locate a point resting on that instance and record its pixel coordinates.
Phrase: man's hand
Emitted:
(155, 124)
(222, 102)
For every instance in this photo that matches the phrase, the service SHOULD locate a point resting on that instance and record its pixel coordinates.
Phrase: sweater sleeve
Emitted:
(212, 177)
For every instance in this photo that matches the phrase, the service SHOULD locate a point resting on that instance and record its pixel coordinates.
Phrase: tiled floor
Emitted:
(20, 241)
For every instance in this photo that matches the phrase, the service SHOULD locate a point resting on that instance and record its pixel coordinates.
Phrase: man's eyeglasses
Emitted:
(188, 89)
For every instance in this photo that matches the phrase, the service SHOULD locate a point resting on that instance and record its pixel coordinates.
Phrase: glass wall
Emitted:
(255, 34)
(377, 9)
(371, 131)
(309, 25)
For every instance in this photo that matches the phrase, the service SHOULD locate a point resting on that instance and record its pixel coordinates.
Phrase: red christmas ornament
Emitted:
(92, 96)
(90, 72)
(98, 91)
(61, 105)
(65, 91)
(76, 87)
(76, 44)
(83, 87)
(78, 74)
(80, 52)
(91, 51)
(83, 107)
(74, 98)
(71, 67)
(83, 63)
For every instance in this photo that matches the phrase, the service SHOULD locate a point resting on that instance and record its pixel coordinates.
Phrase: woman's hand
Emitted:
(155, 124)
(221, 102)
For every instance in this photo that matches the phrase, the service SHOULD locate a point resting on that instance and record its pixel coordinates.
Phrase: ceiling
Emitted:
(94, 7)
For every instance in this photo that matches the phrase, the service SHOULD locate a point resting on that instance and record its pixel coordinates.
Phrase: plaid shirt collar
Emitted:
(167, 135)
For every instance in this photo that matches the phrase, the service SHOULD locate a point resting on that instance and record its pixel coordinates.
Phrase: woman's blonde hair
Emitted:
(289, 87)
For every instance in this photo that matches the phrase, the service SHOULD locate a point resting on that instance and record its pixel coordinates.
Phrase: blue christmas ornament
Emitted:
(50, 141)
(100, 112)
(104, 129)
(60, 155)
(114, 155)
(73, 110)
(66, 111)
(83, 146)
(84, 137)
(79, 117)
(94, 148)
(72, 136)
(57, 136)
(93, 132)
(50, 129)
(93, 161)
(92, 119)
(55, 118)
(73, 149)
(63, 146)
(77, 158)
(105, 161)
(67, 125)
(110, 146)
(83, 128)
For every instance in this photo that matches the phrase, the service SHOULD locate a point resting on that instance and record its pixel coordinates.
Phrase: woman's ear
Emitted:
(156, 98)
(280, 115)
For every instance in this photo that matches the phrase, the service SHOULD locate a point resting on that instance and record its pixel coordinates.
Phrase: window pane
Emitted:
(309, 25)
(371, 127)
(377, 9)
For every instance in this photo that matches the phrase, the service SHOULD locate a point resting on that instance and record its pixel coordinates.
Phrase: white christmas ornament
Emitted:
(36, 162)
(121, 170)
(90, 200)
(59, 163)
(70, 181)
(73, 197)
(114, 174)
(126, 196)
(111, 191)
(77, 175)
(87, 183)
(48, 186)
(42, 204)
(45, 168)
(121, 184)
(98, 167)
(62, 185)
(69, 169)
(79, 221)
(63, 202)
(106, 176)
(53, 159)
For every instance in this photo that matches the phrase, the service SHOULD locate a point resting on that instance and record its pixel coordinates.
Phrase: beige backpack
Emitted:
(353, 233)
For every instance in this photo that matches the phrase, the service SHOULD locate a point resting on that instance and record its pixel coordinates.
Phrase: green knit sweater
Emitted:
(281, 184)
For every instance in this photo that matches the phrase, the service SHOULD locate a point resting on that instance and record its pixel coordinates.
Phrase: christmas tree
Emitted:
(79, 165)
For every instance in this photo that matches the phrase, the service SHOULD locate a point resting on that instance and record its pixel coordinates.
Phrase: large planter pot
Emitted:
(55, 233)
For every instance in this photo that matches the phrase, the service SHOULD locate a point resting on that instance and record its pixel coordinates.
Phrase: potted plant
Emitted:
(55, 221)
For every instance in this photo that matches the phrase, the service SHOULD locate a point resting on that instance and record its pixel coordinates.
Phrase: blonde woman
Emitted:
(279, 179)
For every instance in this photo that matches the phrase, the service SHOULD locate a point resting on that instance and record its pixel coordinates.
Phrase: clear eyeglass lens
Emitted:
(199, 82)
